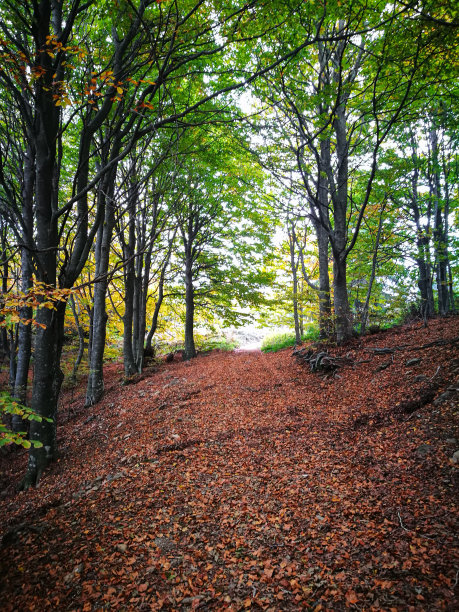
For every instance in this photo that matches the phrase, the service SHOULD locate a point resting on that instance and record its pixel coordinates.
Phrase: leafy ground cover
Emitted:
(244, 481)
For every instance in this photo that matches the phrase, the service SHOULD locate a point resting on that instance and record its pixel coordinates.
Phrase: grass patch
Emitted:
(203, 344)
(277, 342)
(220, 344)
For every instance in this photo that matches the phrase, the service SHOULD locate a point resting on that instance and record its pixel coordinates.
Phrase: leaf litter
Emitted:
(243, 481)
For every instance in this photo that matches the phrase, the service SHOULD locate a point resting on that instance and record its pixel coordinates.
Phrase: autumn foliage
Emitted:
(245, 481)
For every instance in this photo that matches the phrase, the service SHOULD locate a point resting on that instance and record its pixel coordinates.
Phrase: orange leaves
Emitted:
(39, 296)
(261, 509)
(268, 572)
(351, 598)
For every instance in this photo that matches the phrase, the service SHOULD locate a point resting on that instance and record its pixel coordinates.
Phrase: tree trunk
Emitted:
(25, 331)
(441, 254)
(325, 318)
(343, 315)
(81, 342)
(129, 293)
(366, 306)
(159, 301)
(322, 227)
(422, 240)
(95, 388)
(47, 382)
(425, 277)
(294, 270)
(48, 342)
(190, 349)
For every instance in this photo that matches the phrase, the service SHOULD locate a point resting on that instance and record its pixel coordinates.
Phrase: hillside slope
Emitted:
(244, 481)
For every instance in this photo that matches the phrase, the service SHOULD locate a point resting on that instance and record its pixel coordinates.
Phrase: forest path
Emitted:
(241, 480)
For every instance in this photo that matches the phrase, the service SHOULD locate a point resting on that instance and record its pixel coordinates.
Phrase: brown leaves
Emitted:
(248, 504)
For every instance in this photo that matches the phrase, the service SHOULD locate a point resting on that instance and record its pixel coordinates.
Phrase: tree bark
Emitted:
(48, 343)
(190, 349)
(441, 254)
(366, 306)
(130, 296)
(25, 331)
(294, 271)
(95, 388)
(81, 342)
(343, 315)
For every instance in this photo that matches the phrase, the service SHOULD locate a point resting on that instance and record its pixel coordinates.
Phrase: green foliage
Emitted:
(277, 342)
(219, 343)
(203, 342)
(8, 407)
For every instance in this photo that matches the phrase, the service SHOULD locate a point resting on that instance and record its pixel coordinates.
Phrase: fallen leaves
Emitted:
(244, 484)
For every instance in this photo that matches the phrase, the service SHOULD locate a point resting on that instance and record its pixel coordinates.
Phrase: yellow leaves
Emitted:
(39, 296)
(63, 102)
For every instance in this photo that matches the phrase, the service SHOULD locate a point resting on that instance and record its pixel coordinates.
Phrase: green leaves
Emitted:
(9, 406)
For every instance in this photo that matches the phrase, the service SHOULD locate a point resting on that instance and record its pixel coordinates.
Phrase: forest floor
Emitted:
(243, 481)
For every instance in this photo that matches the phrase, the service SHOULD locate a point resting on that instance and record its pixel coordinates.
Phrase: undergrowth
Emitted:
(277, 342)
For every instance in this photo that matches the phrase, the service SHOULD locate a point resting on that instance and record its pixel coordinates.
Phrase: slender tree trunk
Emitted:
(366, 306)
(158, 304)
(441, 255)
(5, 345)
(25, 331)
(139, 327)
(95, 388)
(13, 345)
(129, 293)
(425, 276)
(81, 342)
(190, 349)
(294, 271)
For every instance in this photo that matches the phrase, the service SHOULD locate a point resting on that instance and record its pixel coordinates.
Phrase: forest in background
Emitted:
(167, 164)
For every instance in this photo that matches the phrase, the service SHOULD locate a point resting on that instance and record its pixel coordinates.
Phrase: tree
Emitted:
(338, 105)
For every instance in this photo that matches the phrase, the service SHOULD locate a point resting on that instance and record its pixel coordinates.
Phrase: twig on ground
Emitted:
(401, 522)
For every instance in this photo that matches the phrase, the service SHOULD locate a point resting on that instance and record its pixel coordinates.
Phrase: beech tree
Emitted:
(338, 105)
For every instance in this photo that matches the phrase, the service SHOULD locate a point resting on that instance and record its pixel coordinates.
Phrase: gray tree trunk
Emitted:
(343, 315)
(294, 263)
(95, 388)
(190, 349)
(366, 306)
(441, 254)
(129, 292)
(25, 331)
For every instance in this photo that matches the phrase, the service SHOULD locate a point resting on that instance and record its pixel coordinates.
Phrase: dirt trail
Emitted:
(242, 481)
